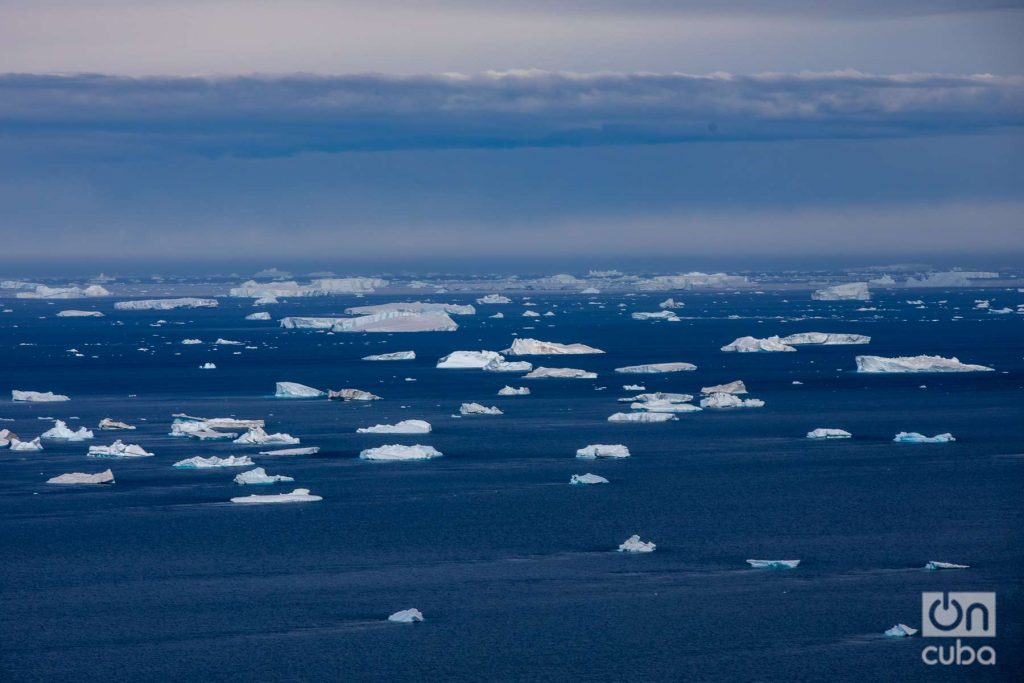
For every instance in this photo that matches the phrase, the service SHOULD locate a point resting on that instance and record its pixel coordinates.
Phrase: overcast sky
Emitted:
(445, 130)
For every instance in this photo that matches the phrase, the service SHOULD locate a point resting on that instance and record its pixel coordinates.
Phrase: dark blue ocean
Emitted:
(159, 578)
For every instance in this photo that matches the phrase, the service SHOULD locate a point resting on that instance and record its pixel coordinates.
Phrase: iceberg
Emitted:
(406, 616)
(914, 437)
(535, 347)
(826, 433)
(227, 342)
(191, 342)
(559, 373)
(934, 565)
(477, 409)
(880, 364)
(590, 290)
(498, 316)
(852, 291)
(61, 432)
(107, 424)
(118, 449)
(308, 450)
(6, 437)
(601, 450)
(513, 391)
(723, 400)
(306, 323)
(825, 339)
(754, 345)
(165, 304)
(494, 299)
(691, 281)
(531, 314)
(660, 315)
(664, 407)
(259, 315)
(259, 476)
(33, 445)
(641, 417)
(658, 397)
(736, 387)
(106, 477)
(587, 479)
(207, 366)
(396, 355)
(403, 427)
(37, 396)
(296, 390)
(655, 368)
(397, 321)
(216, 422)
(44, 292)
(199, 463)
(321, 287)
(508, 366)
(257, 436)
(412, 307)
(296, 496)
(79, 314)
(774, 564)
(952, 278)
(352, 395)
(670, 303)
(459, 360)
(900, 631)
(392, 452)
(633, 544)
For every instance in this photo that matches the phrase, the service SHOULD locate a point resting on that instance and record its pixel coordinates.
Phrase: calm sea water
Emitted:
(159, 578)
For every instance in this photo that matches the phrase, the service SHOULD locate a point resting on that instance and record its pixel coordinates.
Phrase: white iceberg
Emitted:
(642, 417)
(514, 391)
(352, 395)
(227, 342)
(79, 314)
(914, 437)
(406, 616)
(852, 291)
(61, 432)
(664, 407)
(474, 360)
(109, 424)
(296, 390)
(118, 449)
(477, 409)
(670, 303)
(601, 450)
(307, 450)
(587, 479)
(396, 355)
(320, 287)
(531, 314)
(900, 631)
(105, 477)
(723, 400)
(508, 366)
(257, 436)
(259, 315)
(825, 339)
(400, 452)
(659, 315)
(656, 368)
(559, 373)
(880, 364)
(774, 564)
(658, 397)
(259, 477)
(207, 366)
(498, 316)
(44, 292)
(827, 433)
(307, 323)
(6, 437)
(494, 299)
(397, 321)
(691, 281)
(633, 544)
(735, 387)
(191, 342)
(34, 445)
(535, 347)
(296, 496)
(165, 304)
(403, 427)
(590, 290)
(412, 307)
(754, 345)
(934, 565)
(200, 463)
(37, 396)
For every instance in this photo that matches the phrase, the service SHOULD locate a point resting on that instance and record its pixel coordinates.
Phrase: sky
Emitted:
(394, 134)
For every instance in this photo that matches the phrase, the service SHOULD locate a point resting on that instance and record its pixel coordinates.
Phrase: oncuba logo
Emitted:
(958, 615)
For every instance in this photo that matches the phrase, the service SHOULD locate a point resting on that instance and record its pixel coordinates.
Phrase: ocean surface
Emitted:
(159, 578)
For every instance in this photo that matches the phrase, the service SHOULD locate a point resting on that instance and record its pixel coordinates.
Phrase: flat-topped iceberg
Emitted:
(352, 395)
(934, 565)
(736, 387)
(400, 452)
(852, 291)
(494, 299)
(296, 496)
(755, 345)
(827, 433)
(477, 409)
(191, 342)
(214, 422)
(395, 355)
(257, 436)
(412, 307)
(259, 477)
(602, 450)
(692, 280)
(656, 368)
(306, 450)
(406, 616)
(579, 479)
(200, 463)
(296, 390)
(61, 432)
(221, 341)
(397, 321)
(559, 373)
(658, 397)
(403, 427)
(880, 364)
(165, 304)
(535, 347)
(259, 315)
(633, 544)
(825, 339)
(35, 444)
(105, 477)
(508, 366)
(119, 449)
(900, 631)
(79, 314)
(307, 323)
(513, 391)
(914, 437)
(774, 564)
(44, 292)
(641, 417)
(664, 407)
(659, 315)
(111, 424)
(320, 287)
(723, 400)
(469, 360)
(37, 396)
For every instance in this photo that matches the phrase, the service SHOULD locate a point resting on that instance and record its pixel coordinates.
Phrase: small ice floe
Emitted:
(559, 373)
(656, 368)
(200, 463)
(880, 364)
(514, 391)
(106, 477)
(633, 387)
(828, 433)
(296, 390)
(259, 477)
(259, 315)
(191, 342)
(723, 400)
(587, 479)
(494, 299)
(734, 387)
(34, 445)
(536, 347)
(296, 496)
(37, 396)
(633, 544)
(825, 339)
(935, 565)
(601, 450)
(642, 417)
(352, 395)
(900, 631)
(531, 314)
(61, 432)
(118, 449)
(667, 316)
(499, 315)
(207, 366)
(257, 436)
(111, 424)
(79, 314)
(400, 452)
(915, 437)
(406, 616)
(403, 427)
(477, 409)
(397, 355)
(774, 564)
(308, 450)
(754, 345)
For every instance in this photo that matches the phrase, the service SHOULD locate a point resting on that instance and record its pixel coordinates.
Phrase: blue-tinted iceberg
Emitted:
(296, 390)
(914, 437)
(296, 496)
